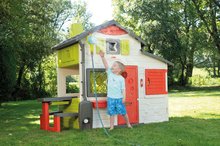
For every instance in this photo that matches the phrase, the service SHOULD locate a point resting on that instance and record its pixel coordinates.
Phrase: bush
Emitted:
(198, 80)
(72, 88)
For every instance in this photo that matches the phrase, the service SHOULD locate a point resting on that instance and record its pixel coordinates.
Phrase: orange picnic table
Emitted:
(45, 115)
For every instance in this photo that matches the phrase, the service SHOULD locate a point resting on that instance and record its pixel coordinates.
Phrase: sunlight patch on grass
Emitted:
(209, 115)
(36, 122)
(30, 116)
(201, 107)
(10, 104)
(24, 128)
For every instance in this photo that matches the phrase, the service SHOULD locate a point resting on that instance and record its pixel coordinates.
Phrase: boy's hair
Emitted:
(121, 66)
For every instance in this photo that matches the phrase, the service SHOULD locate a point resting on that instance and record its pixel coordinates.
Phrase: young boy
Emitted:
(116, 91)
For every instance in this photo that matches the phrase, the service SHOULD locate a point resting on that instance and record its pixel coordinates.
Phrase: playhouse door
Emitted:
(131, 83)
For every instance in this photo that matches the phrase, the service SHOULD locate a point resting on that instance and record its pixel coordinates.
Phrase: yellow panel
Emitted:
(125, 47)
(75, 29)
(101, 45)
(59, 56)
(76, 54)
(69, 122)
(68, 56)
(60, 103)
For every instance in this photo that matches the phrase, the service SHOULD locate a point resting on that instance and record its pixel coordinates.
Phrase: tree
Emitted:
(28, 31)
(7, 49)
(170, 28)
(209, 12)
(39, 21)
(81, 15)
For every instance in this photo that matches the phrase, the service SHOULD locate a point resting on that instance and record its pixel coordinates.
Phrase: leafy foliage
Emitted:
(171, 29)
(81, 8)
(7, 50)
(28, 31)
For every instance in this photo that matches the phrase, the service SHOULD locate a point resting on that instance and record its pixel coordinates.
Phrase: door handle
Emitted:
(148, 81)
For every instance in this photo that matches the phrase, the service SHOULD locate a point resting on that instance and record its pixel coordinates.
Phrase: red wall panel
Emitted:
(113, 30)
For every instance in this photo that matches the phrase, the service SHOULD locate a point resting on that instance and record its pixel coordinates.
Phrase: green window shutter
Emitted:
(101, 45)
(125, 47)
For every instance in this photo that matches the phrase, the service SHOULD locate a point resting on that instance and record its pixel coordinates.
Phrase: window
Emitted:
(113, 46)
(72, 84)
(101, 82)
(155, 81)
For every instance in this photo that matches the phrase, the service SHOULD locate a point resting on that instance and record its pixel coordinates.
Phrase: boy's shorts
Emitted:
(115, 106)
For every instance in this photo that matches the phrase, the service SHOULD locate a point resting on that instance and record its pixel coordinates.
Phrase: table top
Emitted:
(51, 99)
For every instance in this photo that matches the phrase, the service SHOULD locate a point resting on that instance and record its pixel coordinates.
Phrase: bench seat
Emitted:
(67, 115)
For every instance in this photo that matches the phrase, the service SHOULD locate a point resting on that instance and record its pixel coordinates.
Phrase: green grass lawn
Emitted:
(194, 121)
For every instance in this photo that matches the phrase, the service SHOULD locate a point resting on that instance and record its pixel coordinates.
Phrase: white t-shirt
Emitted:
(116, 85)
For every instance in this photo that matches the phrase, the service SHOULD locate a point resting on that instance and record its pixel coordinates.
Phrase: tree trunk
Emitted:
(214, 70)
(215, 31)
(189, 71)
(190, 48)
(182, 77)
(18, 82)
(170, 76)
(20, 74)
(217, 43)
(218, 68)
(190, 64)
(41, 77)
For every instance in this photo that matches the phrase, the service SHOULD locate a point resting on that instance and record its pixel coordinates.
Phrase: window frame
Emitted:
(88, 91)
(118, 52)
(68, 83)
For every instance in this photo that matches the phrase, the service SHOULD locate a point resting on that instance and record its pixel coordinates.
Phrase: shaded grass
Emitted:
(193, 121)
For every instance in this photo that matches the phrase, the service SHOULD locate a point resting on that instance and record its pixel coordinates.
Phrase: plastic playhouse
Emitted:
(145, 79)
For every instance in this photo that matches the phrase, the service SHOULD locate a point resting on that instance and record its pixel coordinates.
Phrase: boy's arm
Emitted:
(123, 90)
(104, 61)
(124, 96)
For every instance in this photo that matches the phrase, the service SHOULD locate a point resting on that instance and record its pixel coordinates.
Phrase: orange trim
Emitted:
(112, 30)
